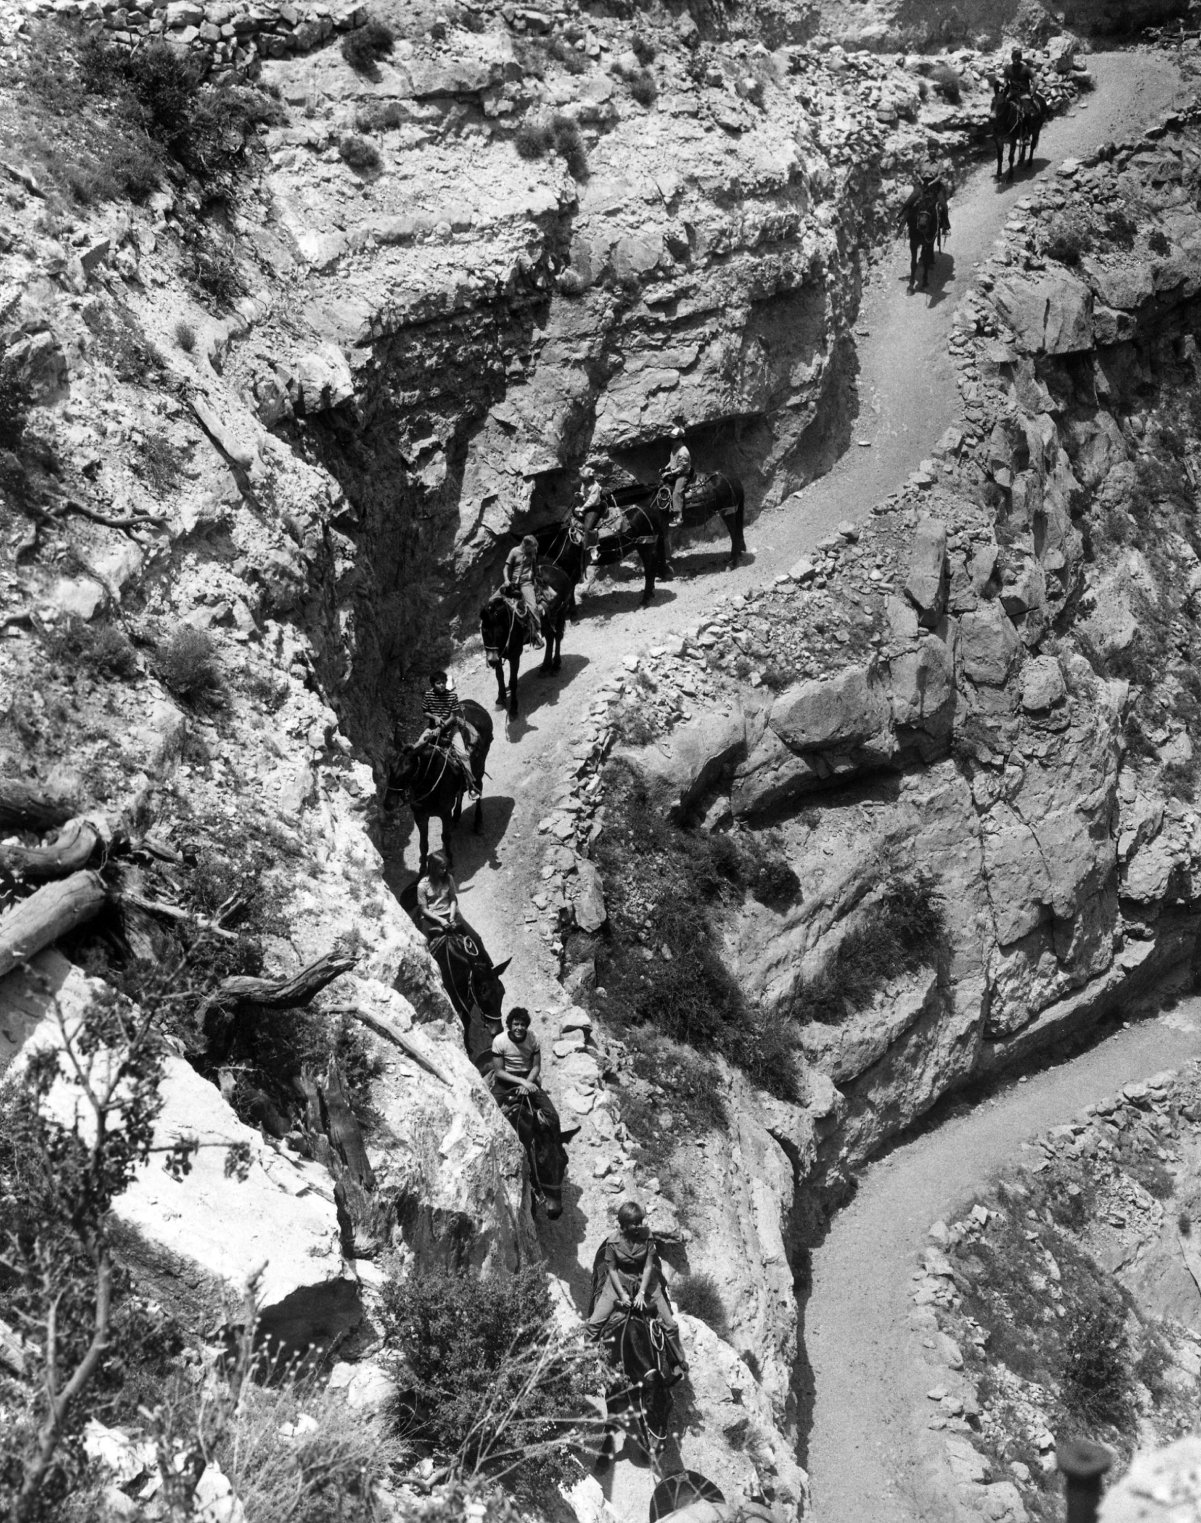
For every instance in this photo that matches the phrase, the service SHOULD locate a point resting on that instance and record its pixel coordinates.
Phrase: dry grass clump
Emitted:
(358, 153)
(187, 664)
(366, 45)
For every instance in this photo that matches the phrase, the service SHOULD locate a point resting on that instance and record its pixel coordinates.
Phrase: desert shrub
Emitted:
(285, 1471)
(1097, 1388)
(534, 139)
(698, 1296)
(187, 664)
(644, 50)
(464, 1351)
(900, 934)
(571, 283)
(570, 57)
(185, 336)
(101, 649)
(569, 145)
(358, 153)
(1067, 240)
(774, 883)
(117, 340)
(1157, 241)
(214, 269)
(379, 118)
(1154, 1361)
(688, 1078)
(664, 886)
(634, 725)
(159, 462)
(947, 82)
(643, 88)
(366, 45)
(1121, 228)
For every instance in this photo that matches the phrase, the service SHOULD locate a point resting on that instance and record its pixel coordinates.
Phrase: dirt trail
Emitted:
(867, 1382)
(899, 422)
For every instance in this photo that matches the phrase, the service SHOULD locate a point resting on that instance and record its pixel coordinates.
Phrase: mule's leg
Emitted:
(501, 696)
(558, 661)
(648, 555)
(423, 841)
(514, 668)
(478, 823)
(447, 832)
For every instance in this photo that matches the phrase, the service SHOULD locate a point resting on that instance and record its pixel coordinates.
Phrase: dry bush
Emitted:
(699, 1296)
(534, 139)
(643, 88)
(101, 648)
(366, 45)
(358, 153)
(188, 665)
(185, 336)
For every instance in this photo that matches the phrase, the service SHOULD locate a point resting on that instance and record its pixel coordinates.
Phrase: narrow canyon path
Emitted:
(907, 398)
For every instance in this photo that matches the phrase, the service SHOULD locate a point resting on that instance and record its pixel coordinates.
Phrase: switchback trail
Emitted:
(908, 396)
(863, 1453)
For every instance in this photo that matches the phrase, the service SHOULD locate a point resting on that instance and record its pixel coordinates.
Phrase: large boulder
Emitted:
(834, 714)
(694, 756)
(1049, 314)
(926, 580)
(199, 1244)
(923, 689)
(988, 645)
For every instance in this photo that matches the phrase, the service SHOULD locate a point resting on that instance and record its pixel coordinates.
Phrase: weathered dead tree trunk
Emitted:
(337, 1143)
(70, 850)
(281, 993)
(52, 912)
(391, 1032)
(27, 806)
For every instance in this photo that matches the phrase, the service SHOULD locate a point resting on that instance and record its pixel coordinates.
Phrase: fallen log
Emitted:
(391, 1032)
(281, 993)
(47, 915)
(67, 853)
(29, 806)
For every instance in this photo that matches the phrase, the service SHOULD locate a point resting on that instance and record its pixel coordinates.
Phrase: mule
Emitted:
(432, 785)
(545, 1143)
(1017, 123)
(921, 220)
(504, 634)
(707, 495)
(639, 528)
(473, 985)
(637, 1348)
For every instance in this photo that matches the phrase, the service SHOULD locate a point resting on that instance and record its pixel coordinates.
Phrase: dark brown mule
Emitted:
(504, 634)
(432, 785)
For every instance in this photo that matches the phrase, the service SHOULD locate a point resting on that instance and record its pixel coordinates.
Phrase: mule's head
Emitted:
(548, 1149)
(404, 770)
(496, 624)
(487, 986)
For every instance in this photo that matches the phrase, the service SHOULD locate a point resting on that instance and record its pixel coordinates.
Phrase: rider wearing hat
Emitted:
(677, 472)
(633, 1276)
(521, 569)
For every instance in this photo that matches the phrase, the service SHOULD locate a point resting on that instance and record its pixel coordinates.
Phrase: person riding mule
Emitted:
(521, 585)
(632, 1276)
(929, 193)
(448, 729)
(438, 897)
(1019, 82)
(517, 1068)
(676, 475)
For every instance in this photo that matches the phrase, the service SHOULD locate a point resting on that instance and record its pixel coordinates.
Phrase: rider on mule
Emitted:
(633, 1275)
(520, 584)
(517, 1066)
(447, 727)
(928, 191)
(677, 472)
(1019, 83)
(438, 897)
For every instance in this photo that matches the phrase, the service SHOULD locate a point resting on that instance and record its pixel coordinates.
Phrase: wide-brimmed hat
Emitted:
(676, 431)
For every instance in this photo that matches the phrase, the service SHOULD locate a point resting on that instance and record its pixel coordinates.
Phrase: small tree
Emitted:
(80, 1124)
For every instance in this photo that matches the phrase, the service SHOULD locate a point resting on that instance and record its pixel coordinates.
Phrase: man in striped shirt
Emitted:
(447, 725)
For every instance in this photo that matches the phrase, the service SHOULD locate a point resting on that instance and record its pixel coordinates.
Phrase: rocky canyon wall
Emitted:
(990, 687)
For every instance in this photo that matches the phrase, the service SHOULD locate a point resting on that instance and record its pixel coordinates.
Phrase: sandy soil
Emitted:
(899, 423)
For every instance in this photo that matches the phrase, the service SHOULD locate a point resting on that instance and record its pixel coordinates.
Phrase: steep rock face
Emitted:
(924, 23)
(1013, 716)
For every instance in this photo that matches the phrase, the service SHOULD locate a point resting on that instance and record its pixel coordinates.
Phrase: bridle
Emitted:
(495, 654)
(462, 951)
(408, 791)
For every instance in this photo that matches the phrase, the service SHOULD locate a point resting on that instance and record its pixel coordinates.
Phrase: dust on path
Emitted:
(907, 398)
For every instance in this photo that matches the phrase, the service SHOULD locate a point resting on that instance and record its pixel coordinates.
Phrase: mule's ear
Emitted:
(565, 1137)
(499, 967)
